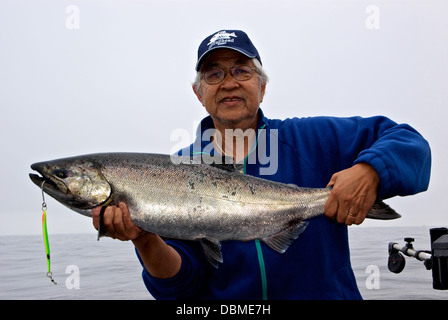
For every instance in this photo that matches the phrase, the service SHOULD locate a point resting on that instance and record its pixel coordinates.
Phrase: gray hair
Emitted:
(264, 79)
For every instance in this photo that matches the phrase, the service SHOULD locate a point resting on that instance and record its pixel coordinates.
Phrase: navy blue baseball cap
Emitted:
(227, 39)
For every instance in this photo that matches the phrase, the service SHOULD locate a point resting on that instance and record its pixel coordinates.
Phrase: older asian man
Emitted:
(361, 158)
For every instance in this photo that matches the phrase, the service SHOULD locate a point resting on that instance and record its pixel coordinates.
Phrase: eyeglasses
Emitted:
(217, 75)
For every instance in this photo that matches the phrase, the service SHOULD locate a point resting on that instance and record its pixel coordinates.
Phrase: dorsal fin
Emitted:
(225, 167)
(223, 162)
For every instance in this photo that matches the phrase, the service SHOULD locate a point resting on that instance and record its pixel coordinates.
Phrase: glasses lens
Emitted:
(214, 76)
(242, 73)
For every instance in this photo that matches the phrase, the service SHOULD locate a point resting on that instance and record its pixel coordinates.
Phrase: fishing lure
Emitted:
(45, 233)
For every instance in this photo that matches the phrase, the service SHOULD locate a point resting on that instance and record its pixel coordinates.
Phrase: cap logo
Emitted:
(221, 38)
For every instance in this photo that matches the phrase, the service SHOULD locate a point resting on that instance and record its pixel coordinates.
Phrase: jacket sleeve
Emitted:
(186, 282)
(398, 153)
(400, 156)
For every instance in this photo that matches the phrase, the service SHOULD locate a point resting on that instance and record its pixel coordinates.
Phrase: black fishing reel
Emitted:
(435, 260)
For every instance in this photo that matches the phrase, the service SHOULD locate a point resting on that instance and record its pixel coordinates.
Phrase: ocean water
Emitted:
(85, 268)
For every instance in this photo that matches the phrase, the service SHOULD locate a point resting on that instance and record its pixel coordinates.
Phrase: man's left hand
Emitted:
(354, 193)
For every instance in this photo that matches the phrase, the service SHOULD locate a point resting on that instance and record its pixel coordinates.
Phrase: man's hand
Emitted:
(354, 193)
(160, 259)
(117, 222)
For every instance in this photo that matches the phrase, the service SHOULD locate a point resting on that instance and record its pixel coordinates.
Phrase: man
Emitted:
(361, 158)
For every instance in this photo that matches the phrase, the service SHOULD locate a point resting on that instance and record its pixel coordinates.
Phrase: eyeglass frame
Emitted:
(225, 73)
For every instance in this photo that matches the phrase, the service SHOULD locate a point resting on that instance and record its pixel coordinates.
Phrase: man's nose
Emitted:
(229, 81)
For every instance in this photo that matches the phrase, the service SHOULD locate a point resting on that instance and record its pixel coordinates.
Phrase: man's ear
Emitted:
(198, 93)
(263, 90)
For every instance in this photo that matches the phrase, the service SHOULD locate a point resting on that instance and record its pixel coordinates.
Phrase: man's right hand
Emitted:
(117, 222)
(160, 259)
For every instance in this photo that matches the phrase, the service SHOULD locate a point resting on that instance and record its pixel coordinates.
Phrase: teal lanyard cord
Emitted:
(264, 285)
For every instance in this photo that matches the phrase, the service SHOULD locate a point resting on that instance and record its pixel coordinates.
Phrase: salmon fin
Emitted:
(382, 211)
(225, 167)
(281, 241)
(224, 163)
(212, 251)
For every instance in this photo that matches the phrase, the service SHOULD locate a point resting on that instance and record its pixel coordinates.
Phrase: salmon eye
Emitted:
(62, 174)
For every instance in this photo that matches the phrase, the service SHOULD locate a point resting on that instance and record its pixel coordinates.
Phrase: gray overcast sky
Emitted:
(80, 77)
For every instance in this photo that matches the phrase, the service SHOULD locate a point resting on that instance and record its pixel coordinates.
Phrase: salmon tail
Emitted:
(382, 211)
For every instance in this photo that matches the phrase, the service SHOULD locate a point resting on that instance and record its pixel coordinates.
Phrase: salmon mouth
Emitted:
(48, 184)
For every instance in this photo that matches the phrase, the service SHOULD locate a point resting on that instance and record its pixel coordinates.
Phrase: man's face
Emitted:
(231, 103)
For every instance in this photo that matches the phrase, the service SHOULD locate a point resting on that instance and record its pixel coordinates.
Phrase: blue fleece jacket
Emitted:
(317, 264)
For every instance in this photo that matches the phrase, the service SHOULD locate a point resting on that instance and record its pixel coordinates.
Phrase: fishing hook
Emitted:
(44, 204)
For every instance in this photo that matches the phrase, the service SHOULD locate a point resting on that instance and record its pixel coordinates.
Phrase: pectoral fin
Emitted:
(212, 250)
